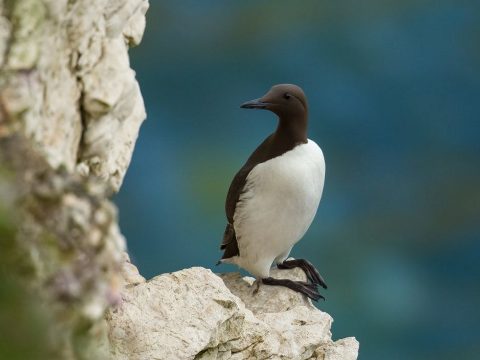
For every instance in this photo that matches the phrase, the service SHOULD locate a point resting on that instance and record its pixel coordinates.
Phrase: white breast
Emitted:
(279, 202)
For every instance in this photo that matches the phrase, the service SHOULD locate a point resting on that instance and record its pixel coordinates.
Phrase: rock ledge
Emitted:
(196, 314)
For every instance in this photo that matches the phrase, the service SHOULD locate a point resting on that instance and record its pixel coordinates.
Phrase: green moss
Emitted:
(27, 18)
(23, 324)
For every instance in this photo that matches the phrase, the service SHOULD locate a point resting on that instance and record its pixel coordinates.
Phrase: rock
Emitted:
(196, 314)
(268, 298)
(66, 82)
(70, 112)
(130, 275)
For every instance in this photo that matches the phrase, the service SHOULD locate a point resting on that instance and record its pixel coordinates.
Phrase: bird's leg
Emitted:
(256, 286)
(305, 288)
(312, 274)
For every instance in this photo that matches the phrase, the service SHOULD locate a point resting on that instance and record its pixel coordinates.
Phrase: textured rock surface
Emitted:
(68, 246)
(195, 314)
(66, 81)
(70, 111)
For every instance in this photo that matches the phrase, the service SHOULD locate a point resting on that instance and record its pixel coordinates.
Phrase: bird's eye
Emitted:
(286, 96)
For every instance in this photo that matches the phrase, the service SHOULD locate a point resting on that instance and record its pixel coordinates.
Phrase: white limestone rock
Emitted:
(70, 107)
(193, 314)
(66, 81)
(180, 315)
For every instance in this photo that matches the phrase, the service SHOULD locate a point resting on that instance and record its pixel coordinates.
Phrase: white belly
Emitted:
(277, 207)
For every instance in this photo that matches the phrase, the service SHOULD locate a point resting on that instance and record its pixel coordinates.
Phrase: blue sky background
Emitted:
(394, 94)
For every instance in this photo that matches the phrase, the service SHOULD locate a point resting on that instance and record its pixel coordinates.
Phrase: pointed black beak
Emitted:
(255, 104)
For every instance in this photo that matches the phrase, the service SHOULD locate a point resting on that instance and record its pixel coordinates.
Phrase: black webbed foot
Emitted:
(312, 273)
(308, 289)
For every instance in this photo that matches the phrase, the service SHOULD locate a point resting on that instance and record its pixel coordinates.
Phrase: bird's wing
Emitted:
(263, 153)
(236, 189)
(229, 243)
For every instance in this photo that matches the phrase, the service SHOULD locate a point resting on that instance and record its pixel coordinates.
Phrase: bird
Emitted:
(273, 198)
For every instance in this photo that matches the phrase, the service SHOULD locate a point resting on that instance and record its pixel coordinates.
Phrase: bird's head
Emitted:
(286, 100)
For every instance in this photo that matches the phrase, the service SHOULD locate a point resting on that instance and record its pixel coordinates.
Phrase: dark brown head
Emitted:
(290, 104)
(285, 100)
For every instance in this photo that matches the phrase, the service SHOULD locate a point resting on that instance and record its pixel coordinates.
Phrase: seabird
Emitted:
(273, 198)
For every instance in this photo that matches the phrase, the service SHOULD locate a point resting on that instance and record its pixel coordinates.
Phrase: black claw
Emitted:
(312, 273)
(308, 289)
(312, 289)
(316, 278)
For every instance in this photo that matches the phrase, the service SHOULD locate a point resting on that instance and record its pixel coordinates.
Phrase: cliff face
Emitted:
(67, 83)
(70, 111)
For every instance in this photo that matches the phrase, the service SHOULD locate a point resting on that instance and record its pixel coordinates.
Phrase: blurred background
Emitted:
(394, 95)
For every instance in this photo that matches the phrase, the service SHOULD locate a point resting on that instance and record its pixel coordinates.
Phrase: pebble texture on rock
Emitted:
(195, 314)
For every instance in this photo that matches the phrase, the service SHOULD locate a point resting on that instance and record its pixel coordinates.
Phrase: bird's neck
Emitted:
(292, 130)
